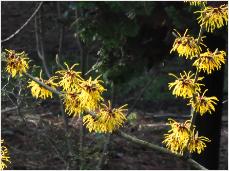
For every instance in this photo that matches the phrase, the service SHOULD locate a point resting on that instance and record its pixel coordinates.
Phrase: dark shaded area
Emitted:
(214, 83)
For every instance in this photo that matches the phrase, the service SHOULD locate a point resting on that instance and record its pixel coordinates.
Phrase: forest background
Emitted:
(127, 42)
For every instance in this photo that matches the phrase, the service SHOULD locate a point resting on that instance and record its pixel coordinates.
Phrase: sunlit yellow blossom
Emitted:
(212, 18)
(184, 86)
(17, 63)
(173, 143)
(178, 136)
(4, 156)
(69, 78)
(39, 91)
(106, 120)
(203, 104)
(112, 118)
(90, 93)
(197, 143)
(209, 61)
(89, 121)
(197, 3)
(186, 45)
(72, 104)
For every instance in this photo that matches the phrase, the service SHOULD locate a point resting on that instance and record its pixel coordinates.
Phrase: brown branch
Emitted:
(104, 153)
(7, 109)
(44, 85)
(61, 31)
(40, 43)
(161, 149)
(30, 18)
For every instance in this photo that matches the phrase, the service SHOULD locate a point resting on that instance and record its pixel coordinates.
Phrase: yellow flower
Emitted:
(185, 85)
(112, 118)
(90, 122)
(196, 143)
(209, 61)
(106, 120)
(17, 63)
(203, 104)
(39, 91)
(90, 93)
(212, 18)
(173, 144)
(197, 3)
(186, 45)
(72, 104)
(178, 136)
(4, 156)
(69, 78)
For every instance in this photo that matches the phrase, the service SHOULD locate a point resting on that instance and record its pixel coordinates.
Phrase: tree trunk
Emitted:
(209, 125)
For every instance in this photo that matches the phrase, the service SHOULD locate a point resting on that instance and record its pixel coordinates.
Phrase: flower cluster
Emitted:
(183, 135)
(69, 78)
(212, 18)
(180, 137)
(16, 63)
(106, 120)
(72, 104)
(197, 143)
(197, 3)
(186, 45)
(185, 86)
(4, 156)
(38, 91)
(80, 96)
(90, 93)
(209, 61)
(203, 104)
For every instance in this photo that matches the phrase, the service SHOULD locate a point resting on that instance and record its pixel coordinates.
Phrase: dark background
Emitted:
(130, 41)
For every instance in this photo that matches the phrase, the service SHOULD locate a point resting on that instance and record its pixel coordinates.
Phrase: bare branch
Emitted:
(61, 32)
(30, 18)
(7, 109)
(44, 85)
(161, 149)
(40, 43)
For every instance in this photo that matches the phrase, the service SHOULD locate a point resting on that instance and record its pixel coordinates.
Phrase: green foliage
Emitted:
(132, 118)
(156, 91)
(110, 25)
(179, 17)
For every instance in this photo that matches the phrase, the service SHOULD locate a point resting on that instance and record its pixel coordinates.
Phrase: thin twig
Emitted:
(7, 109)
(225, 101)
(30, 18)
(108, 138)
(58, 62)
(104, 153)
(40, 43)
(83, 59)
(160, 149)
(61, 32)
(81, 143)
(56, 150)
(18, 102)
(65, 119)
